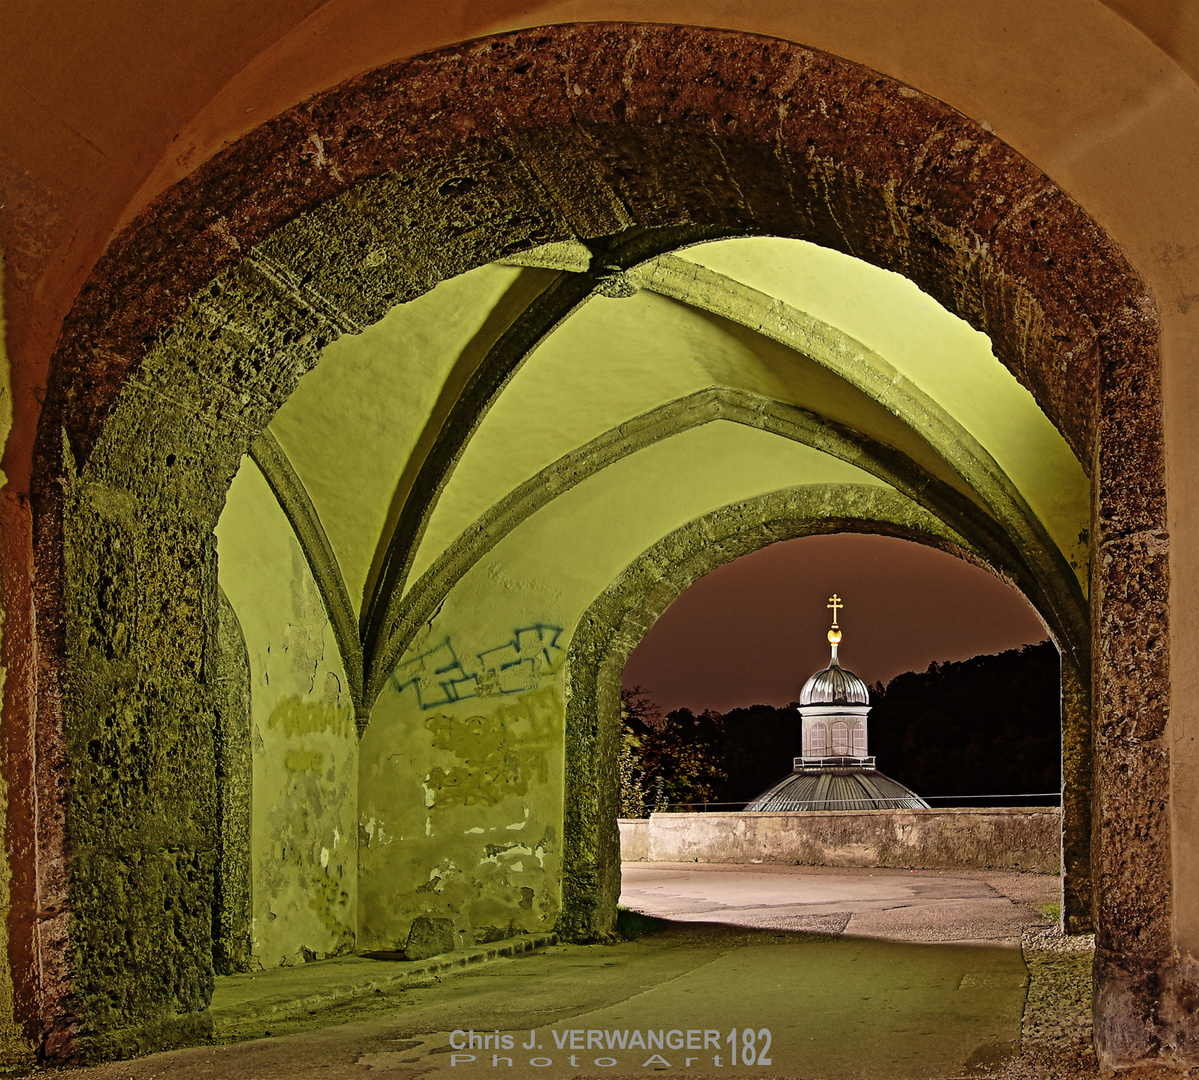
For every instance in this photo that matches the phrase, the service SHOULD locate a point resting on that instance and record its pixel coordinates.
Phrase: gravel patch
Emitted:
(1055, 1035)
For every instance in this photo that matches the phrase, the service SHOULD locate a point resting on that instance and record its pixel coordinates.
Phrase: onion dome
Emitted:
(834, 702)
(834, 685)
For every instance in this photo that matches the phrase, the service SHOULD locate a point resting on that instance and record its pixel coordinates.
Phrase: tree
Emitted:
(666, 760)
(990, 725)
(985, 726)
(758, 746)
(640, 794)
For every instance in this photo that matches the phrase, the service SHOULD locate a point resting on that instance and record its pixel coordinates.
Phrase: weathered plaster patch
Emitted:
(306, 781)
(453, 784)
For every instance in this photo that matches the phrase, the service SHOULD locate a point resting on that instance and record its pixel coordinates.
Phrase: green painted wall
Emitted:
(462, 764)
(944, 356)
(351, 424)
(461, 812)
(303, 739)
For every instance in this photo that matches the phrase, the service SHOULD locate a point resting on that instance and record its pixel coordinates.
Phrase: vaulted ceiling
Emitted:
(713, 374)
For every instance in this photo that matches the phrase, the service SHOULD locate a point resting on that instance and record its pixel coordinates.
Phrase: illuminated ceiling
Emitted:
(701, 378)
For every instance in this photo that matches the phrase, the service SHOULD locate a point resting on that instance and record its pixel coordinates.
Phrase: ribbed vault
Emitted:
(490, 548)
(866, 411)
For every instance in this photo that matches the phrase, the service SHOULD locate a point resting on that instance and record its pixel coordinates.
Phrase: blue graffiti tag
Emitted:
(440, 677)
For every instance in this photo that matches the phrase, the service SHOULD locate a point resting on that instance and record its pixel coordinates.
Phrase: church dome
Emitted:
(835, 772)
(834, 685)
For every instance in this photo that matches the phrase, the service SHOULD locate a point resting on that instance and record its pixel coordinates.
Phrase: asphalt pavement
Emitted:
(756, 971)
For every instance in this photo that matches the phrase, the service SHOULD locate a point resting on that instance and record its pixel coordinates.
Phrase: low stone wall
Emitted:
(1008, 839)
(634, 839)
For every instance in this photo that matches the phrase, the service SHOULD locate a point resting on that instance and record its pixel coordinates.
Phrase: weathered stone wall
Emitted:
(183, 345)
(1003, 839)
(139, 809)
(305, 832)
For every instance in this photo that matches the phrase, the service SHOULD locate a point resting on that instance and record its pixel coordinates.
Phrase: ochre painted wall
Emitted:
(13, 1048)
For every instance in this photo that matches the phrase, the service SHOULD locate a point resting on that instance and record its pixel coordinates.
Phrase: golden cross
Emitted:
(834, 602)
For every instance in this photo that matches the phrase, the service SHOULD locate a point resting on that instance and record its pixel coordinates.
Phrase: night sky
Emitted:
(754, 630)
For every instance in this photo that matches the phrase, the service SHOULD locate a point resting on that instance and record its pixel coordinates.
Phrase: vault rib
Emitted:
(297, 506)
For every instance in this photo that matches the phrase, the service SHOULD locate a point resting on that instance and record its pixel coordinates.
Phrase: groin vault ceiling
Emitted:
(477, 340)
(712, 374)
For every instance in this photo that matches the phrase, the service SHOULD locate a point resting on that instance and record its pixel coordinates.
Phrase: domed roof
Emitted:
(834, 685)
(851, 787)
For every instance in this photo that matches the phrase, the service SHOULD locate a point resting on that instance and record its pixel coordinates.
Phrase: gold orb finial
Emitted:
(834, 637)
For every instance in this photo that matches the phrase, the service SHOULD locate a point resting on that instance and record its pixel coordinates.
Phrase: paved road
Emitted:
(836, 969)
(898, 905)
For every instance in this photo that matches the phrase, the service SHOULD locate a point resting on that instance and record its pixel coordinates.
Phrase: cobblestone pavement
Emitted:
(1055, 1032)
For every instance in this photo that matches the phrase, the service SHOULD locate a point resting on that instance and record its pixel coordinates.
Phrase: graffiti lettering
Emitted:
(440, 677)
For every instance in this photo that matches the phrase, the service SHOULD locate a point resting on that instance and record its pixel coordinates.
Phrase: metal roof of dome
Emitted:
(834, 685)
(850, 787)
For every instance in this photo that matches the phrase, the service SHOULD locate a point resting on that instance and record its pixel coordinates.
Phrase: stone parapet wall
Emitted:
(1008, 838)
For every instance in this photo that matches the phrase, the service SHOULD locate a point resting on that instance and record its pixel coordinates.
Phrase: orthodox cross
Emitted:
(834, 602)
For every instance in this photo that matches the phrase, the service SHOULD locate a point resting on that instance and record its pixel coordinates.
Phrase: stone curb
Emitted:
(339, 982)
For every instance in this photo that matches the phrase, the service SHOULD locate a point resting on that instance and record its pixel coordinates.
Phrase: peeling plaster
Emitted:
(455, 782)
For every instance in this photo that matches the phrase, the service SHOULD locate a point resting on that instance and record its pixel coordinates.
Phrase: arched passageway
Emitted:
(742, 642)
(578, 190)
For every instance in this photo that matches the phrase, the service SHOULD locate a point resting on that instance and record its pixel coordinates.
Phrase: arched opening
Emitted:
(619, 618)
(972, 719)
(207, 311)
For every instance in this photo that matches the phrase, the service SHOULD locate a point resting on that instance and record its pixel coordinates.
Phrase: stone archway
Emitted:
(201, 317)
(621, 615)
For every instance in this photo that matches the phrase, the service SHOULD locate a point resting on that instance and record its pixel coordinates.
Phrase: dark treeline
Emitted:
(990, 725)
(985, 726)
